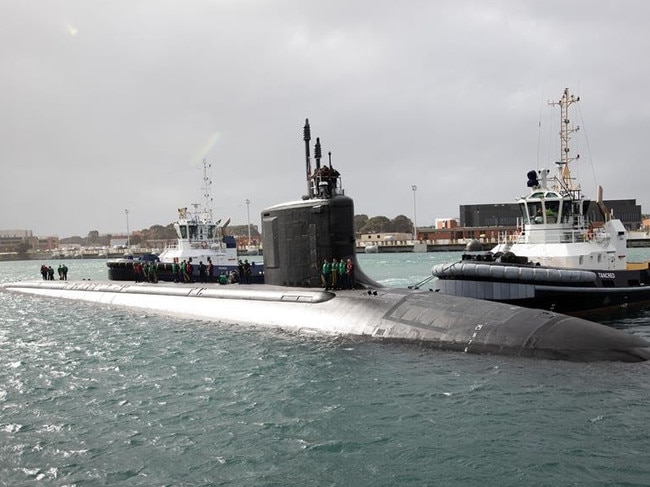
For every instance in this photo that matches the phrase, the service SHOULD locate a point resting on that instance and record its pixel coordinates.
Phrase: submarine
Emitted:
(297, 237)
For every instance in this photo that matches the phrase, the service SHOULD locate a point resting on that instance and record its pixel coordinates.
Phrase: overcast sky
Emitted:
(110, 105)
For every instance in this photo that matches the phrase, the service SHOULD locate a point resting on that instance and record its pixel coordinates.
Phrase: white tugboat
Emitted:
(199, 237)
(558, 260)
(201, 241)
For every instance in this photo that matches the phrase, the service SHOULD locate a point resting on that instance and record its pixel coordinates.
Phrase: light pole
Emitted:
(415, 217)
(248, 221)
(128, 234)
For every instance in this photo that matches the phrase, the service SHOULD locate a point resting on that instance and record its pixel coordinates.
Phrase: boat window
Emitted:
(565, 212)
(535, 212)
(182, 229)
(524, 214)
(551, 194)
(552, 211)
(211, 232)
(192, 230)
(537, 195)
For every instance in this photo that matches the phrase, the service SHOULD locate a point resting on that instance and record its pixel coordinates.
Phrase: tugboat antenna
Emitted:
(565, 136)
(207, 192)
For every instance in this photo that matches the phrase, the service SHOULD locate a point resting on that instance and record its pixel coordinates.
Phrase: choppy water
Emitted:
(91, 395)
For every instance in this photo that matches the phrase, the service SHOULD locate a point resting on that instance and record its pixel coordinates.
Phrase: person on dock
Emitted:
(247, 272)
(343, 280)
(210, 268)
(349, 272)
(188, 270)
(202, 271)
(325, 272)
(138, 271)
(334, 274)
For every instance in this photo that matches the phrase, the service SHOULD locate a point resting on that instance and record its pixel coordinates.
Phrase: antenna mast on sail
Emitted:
(306, 136)
(566, 129)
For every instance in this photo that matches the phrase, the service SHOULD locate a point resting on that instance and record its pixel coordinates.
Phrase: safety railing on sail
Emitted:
(326, 186)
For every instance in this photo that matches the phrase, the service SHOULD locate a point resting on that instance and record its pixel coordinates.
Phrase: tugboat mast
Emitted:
(207, 192)
(566, 129)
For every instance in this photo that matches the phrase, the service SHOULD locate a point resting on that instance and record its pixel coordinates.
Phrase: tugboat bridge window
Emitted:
(534, 214)
(552, 210)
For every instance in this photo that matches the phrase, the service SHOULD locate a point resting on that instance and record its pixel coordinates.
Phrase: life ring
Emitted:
(204, 244)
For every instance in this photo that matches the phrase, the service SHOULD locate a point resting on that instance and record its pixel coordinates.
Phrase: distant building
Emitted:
(458, 234)
(12, 241)
(645, 224)
(381, 238)
(47, 243)
(118, 242)
(446, 223)
(23, 234)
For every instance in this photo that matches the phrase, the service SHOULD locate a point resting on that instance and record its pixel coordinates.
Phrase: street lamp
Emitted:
(128, 234)
(415, 218)
(248, 220)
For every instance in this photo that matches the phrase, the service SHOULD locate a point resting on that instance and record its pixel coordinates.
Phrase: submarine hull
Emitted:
(392, 315)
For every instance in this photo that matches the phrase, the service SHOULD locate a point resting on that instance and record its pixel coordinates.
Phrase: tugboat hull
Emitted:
(122, 270)
(568, 291)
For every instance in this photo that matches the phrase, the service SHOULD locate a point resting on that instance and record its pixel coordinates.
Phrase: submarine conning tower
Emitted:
(298, 236)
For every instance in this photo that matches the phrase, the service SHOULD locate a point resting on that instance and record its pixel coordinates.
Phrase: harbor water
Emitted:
(94, 395)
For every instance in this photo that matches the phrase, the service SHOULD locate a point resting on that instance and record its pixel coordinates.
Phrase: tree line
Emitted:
(381, 224)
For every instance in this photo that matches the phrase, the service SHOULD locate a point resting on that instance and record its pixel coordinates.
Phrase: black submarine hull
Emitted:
(391, 315)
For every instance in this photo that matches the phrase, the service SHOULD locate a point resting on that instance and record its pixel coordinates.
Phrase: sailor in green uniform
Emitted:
(326, 272)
